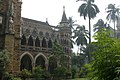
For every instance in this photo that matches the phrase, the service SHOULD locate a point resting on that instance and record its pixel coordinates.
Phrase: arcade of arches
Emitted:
(27, 61)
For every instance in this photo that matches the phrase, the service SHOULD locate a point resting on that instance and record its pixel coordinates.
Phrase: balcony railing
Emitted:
(32, 48)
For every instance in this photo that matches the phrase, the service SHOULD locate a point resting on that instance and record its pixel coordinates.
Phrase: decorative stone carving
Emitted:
(11, 26)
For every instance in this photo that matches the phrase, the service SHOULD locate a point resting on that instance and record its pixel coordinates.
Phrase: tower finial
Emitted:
(63, 8)
(47, 20)
(64, 18)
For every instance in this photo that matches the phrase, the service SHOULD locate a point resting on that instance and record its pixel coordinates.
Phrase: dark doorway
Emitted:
(26, 63)
(49, 43)
(23, 40)
(30, 41)
(44, 45)
(40, 61)
(37, 42)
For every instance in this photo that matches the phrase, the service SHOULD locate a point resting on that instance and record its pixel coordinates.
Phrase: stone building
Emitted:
(29, 42)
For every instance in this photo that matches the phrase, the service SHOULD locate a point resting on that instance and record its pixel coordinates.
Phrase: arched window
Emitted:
(26, 63)
(34, 33)
(40, 61)
(23, 40)
(44, 43)
(67, 42)
(30, 41)
(65, 49)
(62, 41)
(49, 43)
(55, 40)
(37, 42)
(27, 32)
(41, 34)
(47, 34)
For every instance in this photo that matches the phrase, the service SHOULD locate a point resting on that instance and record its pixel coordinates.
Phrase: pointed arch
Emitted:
(41, 60)
(49, 43)
(55, 40)
(30, 41)
(23, 40)
(65, 49)
(26, 61)
(37, 42)
(44, 45)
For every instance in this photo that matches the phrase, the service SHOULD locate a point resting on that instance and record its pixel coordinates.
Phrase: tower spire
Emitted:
(63, 8)
(64, 18)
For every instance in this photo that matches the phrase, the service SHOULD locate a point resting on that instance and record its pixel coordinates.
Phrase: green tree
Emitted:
(104, 59)
(71, 23)
(38, 73)
(80, 36)
(100, 25)
(113, 14)
(4, 61)
(57, 51)
(60, 73)
(25, 74)
(88, 9)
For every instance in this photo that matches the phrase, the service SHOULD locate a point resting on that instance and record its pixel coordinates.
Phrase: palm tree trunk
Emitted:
(89, 39)
(114, 29)
(89, 30)
(78, 51)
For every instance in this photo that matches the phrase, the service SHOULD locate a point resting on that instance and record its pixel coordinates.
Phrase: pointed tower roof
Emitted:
(47, 21)
(64, 18)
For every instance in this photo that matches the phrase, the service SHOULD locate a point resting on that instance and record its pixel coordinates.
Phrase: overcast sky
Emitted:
(53, 9)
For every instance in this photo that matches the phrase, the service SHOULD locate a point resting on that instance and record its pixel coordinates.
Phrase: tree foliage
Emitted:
(100, 25)
(90, 10)
(113, 14)
(57, 49)
(4, 61)
(80, 36)
(104, 59)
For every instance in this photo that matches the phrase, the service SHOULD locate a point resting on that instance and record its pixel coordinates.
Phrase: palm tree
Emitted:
(72, 25)
(71, 22)
(88, 9)
(100, 25)
(113, 13)
(80, 36)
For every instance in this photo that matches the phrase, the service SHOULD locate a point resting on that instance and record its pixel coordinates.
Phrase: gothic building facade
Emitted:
(29, 42)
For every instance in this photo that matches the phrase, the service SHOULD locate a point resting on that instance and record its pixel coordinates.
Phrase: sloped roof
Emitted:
(34, 21)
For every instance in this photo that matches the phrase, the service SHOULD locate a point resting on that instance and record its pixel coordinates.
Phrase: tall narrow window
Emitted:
(30, 41)
(37, 42)
(23, 40)
(44, 45)
(50, 44)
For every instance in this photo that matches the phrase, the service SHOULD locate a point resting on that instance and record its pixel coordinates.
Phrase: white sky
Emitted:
(53, 9)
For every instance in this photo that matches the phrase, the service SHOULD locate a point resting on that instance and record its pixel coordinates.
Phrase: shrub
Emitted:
(25, 74)
(38, 72)
(60, 72)
(16, 79)
(73, 71)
